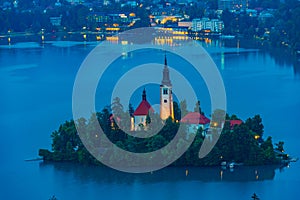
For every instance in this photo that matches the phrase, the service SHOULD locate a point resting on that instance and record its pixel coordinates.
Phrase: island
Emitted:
(240, 142)
(142, 130)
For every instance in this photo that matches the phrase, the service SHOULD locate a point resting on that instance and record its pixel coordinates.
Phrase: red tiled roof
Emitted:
(235, 122)
(143, 108)
(195, 118)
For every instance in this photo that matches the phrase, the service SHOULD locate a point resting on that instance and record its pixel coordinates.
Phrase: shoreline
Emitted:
(46, 156)
(90, 36)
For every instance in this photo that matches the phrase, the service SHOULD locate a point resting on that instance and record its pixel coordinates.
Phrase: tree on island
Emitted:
(53, 198)
(183, 108)
(130, 110)
(177, 112)
(197, 107)
(255, 197)
(279, 146)
(255, 125)
(148, 119)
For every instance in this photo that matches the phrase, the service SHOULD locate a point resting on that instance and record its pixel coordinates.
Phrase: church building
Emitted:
(138, 121)
(140, 114)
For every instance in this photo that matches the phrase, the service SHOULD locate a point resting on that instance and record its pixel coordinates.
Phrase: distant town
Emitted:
(274, 21)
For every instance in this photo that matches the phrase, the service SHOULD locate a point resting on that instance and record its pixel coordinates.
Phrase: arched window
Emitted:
(165, 91)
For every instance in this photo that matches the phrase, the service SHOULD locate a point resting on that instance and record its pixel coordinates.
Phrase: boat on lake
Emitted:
(231, 165)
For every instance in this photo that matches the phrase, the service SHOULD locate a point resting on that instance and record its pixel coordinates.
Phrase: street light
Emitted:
(8, 39)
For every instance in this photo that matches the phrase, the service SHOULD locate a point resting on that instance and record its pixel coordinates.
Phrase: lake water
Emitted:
(36, 97)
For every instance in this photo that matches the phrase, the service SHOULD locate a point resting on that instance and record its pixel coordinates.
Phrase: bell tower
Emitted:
(166, 97)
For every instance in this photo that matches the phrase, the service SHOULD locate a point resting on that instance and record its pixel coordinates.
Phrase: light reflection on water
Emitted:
(170, 174)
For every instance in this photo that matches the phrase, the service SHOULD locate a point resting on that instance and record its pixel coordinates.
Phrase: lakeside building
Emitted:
(185, 24)
(102, 17)
(163, 19)
(264, 16)
(56, 21)
(132, 4)
(75, 1)
(213, 25)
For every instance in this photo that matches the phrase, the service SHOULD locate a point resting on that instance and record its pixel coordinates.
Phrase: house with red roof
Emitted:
(140, 114)
(235, 122)
(195, 120)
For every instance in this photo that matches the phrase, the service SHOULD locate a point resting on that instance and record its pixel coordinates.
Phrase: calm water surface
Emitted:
(36, 91)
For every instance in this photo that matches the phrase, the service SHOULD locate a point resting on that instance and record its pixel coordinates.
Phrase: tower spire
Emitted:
(166, 76)
(166, 64)
(144, 95)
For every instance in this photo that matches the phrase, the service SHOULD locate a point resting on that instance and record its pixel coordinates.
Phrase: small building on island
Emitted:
(141, 113)
(195, 120)
(235, 122)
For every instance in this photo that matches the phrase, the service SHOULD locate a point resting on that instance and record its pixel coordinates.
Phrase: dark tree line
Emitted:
(287, 25)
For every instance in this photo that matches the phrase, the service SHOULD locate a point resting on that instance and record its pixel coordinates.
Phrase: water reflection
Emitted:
(171, 174)
(282, 57)
(296, 66)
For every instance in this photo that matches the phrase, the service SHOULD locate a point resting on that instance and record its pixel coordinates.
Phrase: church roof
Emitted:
(195, 118)
(143, 108)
